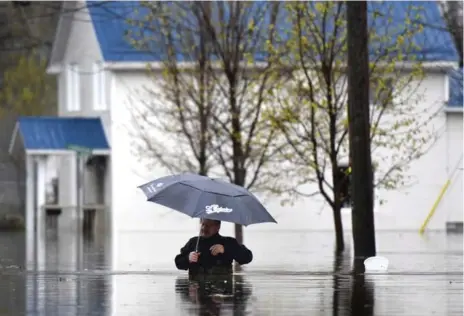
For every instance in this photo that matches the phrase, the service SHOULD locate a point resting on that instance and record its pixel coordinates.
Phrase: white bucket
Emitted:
(376, 264)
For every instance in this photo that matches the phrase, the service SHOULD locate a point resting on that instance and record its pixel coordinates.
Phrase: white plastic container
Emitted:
(376, 264)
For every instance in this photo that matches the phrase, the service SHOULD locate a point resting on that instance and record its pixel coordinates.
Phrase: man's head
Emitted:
(209, 227)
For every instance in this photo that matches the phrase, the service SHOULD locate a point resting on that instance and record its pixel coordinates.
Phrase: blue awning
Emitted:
(48, 134)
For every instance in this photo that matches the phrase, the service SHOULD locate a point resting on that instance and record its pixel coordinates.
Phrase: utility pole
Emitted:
(359, 131)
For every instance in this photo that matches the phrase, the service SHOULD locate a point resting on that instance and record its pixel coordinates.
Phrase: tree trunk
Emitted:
(453, 17)
(359, 128)
(237, 150)
(336, 207)
(338, 225)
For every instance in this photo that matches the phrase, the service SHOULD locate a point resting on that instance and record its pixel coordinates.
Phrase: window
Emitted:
(73, 88)
(99, 87)
(381, 92)
(343, 177)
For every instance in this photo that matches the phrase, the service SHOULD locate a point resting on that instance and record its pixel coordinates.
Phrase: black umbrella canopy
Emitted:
(203, 197)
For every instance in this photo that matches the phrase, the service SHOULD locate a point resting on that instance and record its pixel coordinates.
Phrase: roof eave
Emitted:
(13, 138)
(454, 109)
(53, 69)
(60, 152)
(62, 32)
(442, 66)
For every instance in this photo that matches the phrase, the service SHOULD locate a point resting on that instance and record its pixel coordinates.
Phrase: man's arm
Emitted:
(239, 253)
(182, 260)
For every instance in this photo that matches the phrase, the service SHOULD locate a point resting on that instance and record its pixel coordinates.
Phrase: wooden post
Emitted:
(359, 128)
(30, 194)
(40, 193)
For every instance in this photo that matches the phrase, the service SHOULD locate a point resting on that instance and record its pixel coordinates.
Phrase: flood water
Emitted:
(293, 273)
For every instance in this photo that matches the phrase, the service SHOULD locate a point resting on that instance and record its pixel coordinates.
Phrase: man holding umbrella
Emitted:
(214, 253)
(213, 201)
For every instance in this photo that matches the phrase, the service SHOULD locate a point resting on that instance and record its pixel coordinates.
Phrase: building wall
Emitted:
(452, 204)
(404, 208)
(83, 50)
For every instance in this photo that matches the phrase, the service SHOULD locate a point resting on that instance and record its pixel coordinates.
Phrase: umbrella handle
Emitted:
(198, 240)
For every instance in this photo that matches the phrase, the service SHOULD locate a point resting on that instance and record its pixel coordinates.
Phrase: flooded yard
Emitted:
(293, 273)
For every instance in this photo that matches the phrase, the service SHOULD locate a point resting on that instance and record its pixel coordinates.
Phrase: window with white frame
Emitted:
(73, 88)
(99, 87)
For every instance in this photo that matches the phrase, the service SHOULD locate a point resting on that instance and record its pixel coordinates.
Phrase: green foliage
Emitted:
(12, 222)
(26, 89)
(312, 111)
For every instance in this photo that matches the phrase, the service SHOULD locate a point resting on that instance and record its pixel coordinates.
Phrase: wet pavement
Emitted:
(292, 273)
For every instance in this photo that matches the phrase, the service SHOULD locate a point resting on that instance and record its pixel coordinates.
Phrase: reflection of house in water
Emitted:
(12, 284)
(54, 170)
(65, 292)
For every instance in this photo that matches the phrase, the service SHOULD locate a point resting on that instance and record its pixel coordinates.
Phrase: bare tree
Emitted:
(213, 110)
(242, 35)
(313, 112)
(180, 102)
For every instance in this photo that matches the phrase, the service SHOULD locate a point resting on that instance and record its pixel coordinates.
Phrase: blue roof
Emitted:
(110, 21)
(57, 133)
(456, 87)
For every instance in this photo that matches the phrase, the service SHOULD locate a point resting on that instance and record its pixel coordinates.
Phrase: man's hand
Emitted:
(216, 249)
(193, 256)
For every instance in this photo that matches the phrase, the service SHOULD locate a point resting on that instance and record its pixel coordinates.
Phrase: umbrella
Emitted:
(203, 197)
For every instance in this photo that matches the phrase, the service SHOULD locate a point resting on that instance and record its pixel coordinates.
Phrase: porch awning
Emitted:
(58, 135)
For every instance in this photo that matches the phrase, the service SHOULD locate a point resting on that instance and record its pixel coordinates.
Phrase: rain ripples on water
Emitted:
(137, 278)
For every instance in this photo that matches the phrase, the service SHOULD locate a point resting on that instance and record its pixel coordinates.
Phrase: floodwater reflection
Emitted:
(55, 293)
(90, 275)
(353, 292)
(214, 296)
(362, 296)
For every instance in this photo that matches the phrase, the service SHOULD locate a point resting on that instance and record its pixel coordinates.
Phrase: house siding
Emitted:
(83, 49)
(404, 208)
(453, 197)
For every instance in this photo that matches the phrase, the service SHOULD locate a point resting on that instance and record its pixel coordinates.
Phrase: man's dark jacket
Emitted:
(206, 261)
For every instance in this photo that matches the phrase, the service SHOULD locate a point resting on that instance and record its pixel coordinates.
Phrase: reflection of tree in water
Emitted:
(341, 283)
(214, 294)
(352, 293)
(362, 296)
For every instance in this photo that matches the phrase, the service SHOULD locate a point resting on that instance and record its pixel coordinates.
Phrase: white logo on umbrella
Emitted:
(152, 187)
(216, 209)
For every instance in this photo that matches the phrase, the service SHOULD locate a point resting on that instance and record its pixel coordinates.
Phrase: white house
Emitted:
(98, 72)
